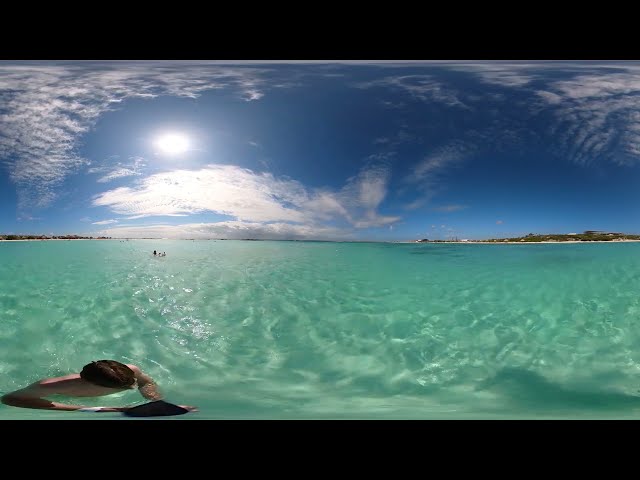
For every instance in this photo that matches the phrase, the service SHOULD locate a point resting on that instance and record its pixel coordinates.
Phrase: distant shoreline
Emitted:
(52, 239)
(524, 243)
(406, 242)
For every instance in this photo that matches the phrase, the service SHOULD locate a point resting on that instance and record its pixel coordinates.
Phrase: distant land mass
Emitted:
(50, 237)
(586, 236)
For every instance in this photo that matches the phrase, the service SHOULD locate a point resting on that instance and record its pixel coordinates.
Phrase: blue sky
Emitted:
(319, 150)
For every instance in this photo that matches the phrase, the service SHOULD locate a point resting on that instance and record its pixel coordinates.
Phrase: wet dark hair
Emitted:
(108, 373)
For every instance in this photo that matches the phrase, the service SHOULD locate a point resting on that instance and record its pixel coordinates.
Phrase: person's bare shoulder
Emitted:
(37, 389)
(43, 388)
(57, 380)
(49, 386)
(140, 375)
(135, 368)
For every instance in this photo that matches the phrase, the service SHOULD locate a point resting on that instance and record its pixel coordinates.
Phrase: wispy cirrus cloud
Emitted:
(371, 220)
(596, 116)
(247, 196)
(449, 208)
(131, 168)
(593, 104)
(235, 230)
(401, 137)
(46, 109)
(505, 74)
(433, 165)
(521, 74)
(389, 104)
(365, 193)
(105, 222)
(427, 176)
(442, 232)
(423, 87)
(250, 95)
(118, 173)
(549, 97)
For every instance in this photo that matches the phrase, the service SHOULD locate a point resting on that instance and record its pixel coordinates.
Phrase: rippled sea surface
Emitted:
(288, 330)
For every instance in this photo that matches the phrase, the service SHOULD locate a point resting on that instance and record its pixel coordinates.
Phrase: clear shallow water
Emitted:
(289, 330)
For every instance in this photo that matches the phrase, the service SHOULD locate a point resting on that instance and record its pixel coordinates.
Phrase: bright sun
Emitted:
(173, 143)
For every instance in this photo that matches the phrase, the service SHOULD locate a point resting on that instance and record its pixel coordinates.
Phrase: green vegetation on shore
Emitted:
(587, 236)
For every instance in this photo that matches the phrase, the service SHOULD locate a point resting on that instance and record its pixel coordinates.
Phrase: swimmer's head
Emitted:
(109, 373)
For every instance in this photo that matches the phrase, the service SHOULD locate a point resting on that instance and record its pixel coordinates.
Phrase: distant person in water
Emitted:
(154, 253)
(103, 377)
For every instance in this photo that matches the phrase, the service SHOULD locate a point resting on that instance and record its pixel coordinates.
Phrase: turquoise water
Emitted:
(287, 330)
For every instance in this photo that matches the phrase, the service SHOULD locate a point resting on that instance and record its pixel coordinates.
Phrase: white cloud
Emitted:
(28, 218)
(230, 230)
(594, 104)
(118, 173)
(422, 87)
(419, 202)
(428, 171)
(364, 193)
(129, 169)
(499, 222)
(550, 97)
(222, 189)
(517, 74)
(600, 85)
(596, 116)
(251, 197)
(105, 222)
(326, 204)
(389, 104)
(253, 95)
(428, 174)
(402, 137)
(46, 109)
(374, 220)
(372, 187)
(449, 208)
(437, 162)
(506, 74)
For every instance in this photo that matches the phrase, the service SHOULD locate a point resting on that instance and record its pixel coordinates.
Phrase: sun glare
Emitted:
(172, 143)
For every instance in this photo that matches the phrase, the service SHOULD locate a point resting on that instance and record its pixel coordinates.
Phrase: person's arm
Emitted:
(146, 385)
(33, 397)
